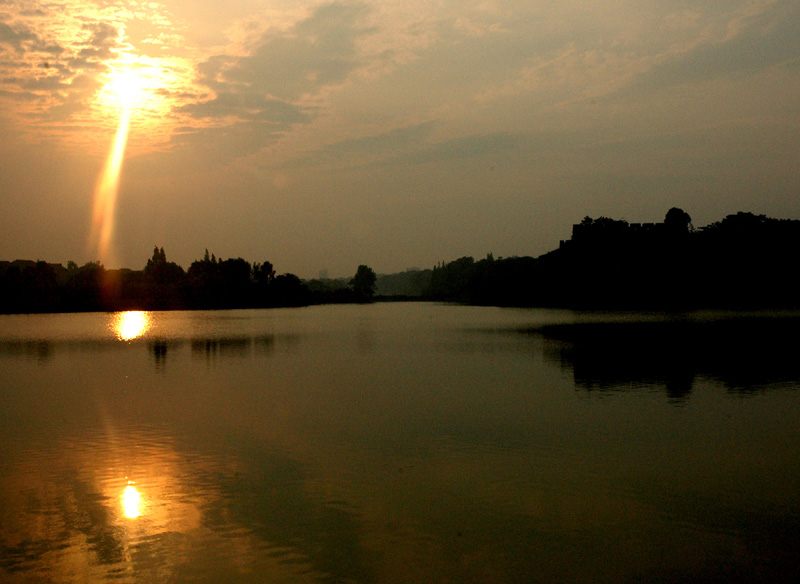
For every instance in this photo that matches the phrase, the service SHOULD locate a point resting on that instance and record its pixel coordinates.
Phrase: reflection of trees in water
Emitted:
(236, 347)
(159, 349)
(744, 354)
(211, 348)
(208, 348)
(40, 350)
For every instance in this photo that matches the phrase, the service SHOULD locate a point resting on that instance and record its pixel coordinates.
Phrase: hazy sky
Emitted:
(396, 133)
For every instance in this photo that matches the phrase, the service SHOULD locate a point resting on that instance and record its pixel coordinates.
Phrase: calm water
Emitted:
(398, 443)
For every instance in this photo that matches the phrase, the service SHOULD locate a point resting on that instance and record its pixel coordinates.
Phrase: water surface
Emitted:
(398, 443)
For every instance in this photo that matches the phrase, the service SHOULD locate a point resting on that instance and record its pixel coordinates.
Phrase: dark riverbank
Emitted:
(745, 261)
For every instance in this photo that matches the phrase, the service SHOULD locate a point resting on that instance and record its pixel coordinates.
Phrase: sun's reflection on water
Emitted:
(131, 501)
(131, 324)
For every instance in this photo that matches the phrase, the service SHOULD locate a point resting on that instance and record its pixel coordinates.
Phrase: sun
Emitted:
(126, 87)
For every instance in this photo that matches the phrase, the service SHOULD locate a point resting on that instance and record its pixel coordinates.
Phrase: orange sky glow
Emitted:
(323, 135)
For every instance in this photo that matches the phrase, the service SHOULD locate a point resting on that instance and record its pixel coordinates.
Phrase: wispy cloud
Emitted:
(282, 80)
(412, 145)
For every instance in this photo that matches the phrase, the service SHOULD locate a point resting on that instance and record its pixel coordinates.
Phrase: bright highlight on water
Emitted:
(131, 501)
(131, 324)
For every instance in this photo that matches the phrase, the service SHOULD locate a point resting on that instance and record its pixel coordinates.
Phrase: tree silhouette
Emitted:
(263, 274)
(288, 290)
(363, 283)
(164, 282)
(84, 290)
(678, 221)
(743, 261)
(235, 274)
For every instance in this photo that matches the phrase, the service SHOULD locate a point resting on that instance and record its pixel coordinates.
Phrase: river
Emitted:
(399, 442)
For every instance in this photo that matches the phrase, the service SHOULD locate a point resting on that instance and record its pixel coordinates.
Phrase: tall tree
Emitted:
(363, 283)
(164, 281)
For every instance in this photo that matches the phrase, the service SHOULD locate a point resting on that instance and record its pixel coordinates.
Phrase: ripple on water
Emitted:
(128, 505)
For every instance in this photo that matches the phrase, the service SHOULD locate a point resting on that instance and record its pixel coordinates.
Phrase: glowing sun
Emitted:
(126, 87)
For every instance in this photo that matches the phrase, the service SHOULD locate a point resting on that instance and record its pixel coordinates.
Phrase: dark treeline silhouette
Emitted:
(210, 283)
(743, 261)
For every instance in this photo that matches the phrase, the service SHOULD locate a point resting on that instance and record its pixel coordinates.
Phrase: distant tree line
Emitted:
(210, 283)
(407, 285)
(742, 261)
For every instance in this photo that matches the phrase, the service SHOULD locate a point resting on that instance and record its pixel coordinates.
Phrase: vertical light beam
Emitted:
(105, 193)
